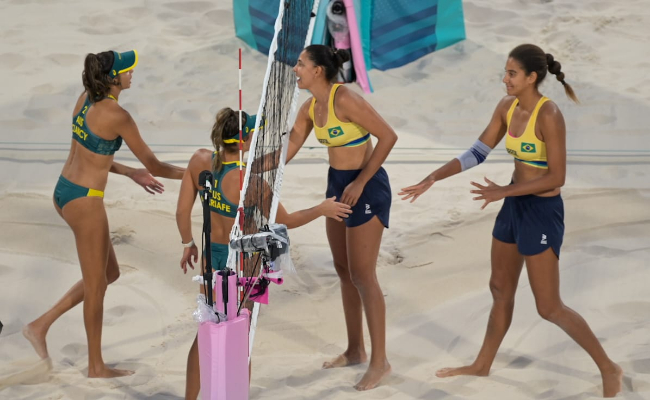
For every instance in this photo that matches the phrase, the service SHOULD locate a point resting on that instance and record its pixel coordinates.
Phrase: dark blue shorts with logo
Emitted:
(534, 223)
(374, 200)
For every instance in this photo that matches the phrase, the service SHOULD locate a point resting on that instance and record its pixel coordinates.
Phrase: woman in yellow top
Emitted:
(344, 122)
(99, 124)
(530, 226)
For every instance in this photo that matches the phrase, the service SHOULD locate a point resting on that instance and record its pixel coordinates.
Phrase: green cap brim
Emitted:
(247, 129)
(123, 62)
(250, 125)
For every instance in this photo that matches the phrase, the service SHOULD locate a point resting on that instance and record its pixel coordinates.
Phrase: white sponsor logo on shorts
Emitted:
(543, 239)
(368, 209)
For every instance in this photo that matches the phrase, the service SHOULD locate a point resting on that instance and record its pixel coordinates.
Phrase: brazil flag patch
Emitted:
(528, 147)
(335, 132)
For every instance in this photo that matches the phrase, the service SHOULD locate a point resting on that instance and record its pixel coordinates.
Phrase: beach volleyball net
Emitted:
(277, 108)
(278, 104)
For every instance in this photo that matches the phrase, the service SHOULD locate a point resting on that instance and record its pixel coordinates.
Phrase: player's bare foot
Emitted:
(612, 381)
(466, 370)
(346, 359)
(108, 373)
(36, 337)
(373, 376)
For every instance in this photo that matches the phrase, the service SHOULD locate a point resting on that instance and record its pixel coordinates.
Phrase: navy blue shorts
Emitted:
(534, 223)
(374, 200)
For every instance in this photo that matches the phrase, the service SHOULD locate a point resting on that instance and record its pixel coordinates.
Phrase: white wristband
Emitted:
(190, 244)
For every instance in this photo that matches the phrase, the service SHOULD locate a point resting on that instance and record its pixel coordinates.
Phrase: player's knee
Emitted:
(550, 311)
(362, 280)
(342, 270)
(501, 291)
(112, 274)
(95, 286)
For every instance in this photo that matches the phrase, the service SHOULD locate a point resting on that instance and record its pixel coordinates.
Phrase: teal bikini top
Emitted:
(82, 134)
(218, 201)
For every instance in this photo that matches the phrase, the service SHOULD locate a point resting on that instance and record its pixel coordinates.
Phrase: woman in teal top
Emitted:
(99, 125)
(223, 160)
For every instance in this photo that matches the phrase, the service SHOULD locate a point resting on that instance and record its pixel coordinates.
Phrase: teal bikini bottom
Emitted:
(219, 254)
(66, 191)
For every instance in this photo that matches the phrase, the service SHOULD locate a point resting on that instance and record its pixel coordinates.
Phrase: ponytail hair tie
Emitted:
(549, 59)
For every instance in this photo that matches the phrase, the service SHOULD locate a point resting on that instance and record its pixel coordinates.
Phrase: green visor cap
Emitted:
(123, 62)
(247, 129)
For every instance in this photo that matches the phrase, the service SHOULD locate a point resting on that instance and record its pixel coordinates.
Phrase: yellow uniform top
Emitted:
(527, 148)
(336, 133)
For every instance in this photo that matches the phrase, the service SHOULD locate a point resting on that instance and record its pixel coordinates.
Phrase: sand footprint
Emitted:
(115, 315)
(120, 311)
(439, 236)
(143, 374)
(302, 379)
(395, 256)
(633, 385)
(74, 353)
(122, 234)
(520, 362)
(641, 366)
(127, 269)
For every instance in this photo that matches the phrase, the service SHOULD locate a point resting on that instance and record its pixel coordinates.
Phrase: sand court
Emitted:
(434, 263)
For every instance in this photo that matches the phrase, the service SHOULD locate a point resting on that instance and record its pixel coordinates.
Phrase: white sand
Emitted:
(434, 262)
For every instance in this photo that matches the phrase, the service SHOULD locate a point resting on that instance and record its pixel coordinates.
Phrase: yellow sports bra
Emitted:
(527, 148)
(336, 133)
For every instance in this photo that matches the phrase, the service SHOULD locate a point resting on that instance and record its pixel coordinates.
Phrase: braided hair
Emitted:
(534, 59)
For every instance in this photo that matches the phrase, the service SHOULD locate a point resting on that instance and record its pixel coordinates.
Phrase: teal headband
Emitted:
(123, 62)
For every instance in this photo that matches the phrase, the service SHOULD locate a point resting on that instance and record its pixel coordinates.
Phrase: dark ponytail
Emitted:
(226, 126)
(330, 59)
(555, 68)
(95, 75)
(533, 59)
